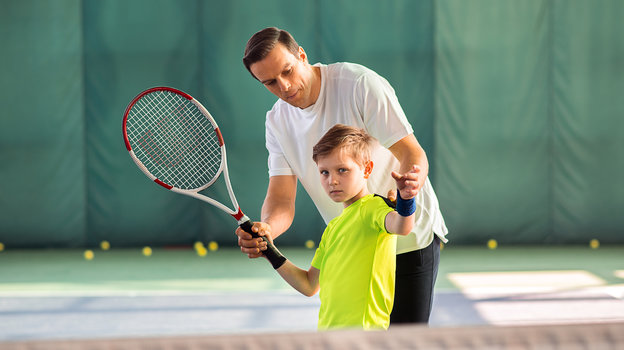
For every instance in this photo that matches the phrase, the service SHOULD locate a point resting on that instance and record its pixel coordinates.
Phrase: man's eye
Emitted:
(288, 71)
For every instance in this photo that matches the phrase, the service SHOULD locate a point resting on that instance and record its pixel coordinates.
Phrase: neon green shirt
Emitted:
(356, 259)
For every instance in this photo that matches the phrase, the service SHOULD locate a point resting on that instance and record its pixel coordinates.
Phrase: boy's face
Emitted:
(342, 177)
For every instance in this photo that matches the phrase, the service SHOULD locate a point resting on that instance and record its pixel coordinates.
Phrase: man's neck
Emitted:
(316, 84)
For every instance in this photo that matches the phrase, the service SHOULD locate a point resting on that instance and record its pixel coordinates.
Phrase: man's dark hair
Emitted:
(261, 43)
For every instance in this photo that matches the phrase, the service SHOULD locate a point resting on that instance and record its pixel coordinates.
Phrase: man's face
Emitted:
(287, 76)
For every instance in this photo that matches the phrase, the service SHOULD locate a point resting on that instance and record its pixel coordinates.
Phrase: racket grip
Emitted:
(271, 253)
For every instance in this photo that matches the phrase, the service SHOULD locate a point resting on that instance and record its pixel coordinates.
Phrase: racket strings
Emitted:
(174, 140)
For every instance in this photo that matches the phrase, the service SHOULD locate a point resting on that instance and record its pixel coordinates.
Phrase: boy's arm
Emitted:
(400, 225)
(401, 221)
(306, 282)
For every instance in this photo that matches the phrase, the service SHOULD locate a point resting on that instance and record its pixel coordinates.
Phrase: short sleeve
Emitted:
(319, 254)
(382, 113)
(377, 211)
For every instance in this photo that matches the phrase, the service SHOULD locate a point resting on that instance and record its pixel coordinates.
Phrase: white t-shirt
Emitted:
(353, 95)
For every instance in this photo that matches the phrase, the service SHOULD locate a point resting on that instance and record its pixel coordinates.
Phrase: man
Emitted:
(312, 99)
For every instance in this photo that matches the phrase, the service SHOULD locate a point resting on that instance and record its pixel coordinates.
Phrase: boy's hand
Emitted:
(253, 247)
(407, 183)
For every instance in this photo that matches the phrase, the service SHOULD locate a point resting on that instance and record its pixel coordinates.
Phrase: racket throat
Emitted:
(240, 217)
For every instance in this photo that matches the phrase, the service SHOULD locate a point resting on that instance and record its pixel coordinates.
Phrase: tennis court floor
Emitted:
(57, 294)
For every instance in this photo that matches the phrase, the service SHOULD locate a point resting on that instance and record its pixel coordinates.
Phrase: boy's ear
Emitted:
(368, 169)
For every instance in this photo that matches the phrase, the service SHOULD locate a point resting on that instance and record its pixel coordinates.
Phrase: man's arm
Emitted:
(409, 153)
(278, 211)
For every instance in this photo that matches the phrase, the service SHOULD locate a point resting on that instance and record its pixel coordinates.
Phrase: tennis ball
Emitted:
(88, 254)
(105, 245)
(492, 244)
(147, 251)
(309, 244)
(594, 244)
(1, 246)
(201, 251)
(441, 245)
(198, 246)
(212, 246)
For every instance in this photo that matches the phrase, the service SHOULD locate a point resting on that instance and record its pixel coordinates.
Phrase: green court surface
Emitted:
(180, 270)
(58, 294)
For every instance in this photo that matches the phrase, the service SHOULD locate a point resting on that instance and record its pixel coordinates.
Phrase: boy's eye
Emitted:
(343, 170)
(324, 172)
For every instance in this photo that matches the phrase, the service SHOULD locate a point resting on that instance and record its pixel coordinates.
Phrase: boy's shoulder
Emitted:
(388, 202)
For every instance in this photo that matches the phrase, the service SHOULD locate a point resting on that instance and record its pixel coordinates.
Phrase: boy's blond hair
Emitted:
(355, 141)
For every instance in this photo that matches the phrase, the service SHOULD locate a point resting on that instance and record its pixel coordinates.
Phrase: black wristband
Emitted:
(273, 255)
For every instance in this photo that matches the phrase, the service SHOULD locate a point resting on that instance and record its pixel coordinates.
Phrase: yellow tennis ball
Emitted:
(492, 244)
(212, 246)
(309, 244)
(441, 245)
(147, 251)
(105, 245)
(202, 251)
(594, 244)
(88, 254)
(198, 246)
(1, 246)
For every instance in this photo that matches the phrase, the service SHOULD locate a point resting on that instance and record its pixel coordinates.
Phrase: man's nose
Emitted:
(283, 84)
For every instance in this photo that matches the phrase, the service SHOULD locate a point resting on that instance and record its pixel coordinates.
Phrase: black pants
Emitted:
(416, 273)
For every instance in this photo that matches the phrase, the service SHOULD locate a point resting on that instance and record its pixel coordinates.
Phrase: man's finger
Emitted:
(252, 254)
(242, 234)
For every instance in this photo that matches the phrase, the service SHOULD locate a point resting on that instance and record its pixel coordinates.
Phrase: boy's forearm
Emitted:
(405, 224)
(298, 278)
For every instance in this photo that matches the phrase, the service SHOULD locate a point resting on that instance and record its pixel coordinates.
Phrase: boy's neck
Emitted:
(363, 193)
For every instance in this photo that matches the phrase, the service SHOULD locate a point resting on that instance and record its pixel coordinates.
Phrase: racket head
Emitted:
(173, 139)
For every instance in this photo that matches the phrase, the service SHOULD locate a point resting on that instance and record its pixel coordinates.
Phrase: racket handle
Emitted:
(272, 254)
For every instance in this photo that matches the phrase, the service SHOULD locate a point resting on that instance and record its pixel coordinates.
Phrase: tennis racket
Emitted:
(175, 141)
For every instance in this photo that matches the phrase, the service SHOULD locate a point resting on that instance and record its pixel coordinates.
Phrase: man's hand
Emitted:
(408, 183)
(253, 247)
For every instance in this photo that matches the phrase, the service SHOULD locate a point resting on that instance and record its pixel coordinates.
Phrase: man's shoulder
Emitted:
(279, 107)
(348, 70)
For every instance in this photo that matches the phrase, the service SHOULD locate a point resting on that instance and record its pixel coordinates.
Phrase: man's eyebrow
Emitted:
(286, 65)
(266, 81)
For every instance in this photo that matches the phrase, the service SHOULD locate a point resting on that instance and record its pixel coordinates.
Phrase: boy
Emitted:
(355, 261)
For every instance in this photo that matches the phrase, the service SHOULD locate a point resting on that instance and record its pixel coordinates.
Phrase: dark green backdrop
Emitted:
(519, 105)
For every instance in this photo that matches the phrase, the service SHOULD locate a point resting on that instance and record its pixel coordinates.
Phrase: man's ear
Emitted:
(368, 169)
(302, 55)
